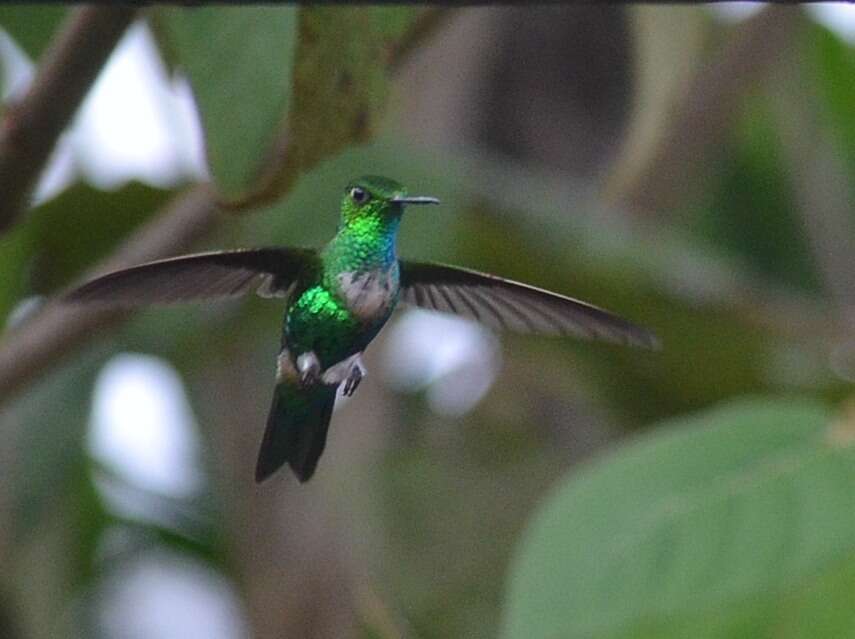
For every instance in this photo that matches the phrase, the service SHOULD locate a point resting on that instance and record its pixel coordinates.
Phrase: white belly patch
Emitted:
(367, 294)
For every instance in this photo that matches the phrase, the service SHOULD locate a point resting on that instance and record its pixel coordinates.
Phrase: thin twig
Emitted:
(30, 128)
(59, 328)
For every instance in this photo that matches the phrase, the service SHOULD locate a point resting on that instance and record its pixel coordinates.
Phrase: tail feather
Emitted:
(296, 430)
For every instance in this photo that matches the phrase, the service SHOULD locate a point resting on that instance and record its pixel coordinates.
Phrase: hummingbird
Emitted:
(337, 298)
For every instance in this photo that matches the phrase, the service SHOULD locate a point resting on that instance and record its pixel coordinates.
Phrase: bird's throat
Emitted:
(364, 244)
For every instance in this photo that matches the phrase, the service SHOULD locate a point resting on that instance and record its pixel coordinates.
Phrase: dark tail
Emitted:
(296, 430)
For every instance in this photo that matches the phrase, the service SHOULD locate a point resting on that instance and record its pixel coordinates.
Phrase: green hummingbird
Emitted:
(337, 300)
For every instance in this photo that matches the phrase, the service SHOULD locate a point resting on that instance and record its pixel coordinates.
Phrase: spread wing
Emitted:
(505, 304)
(196, 277)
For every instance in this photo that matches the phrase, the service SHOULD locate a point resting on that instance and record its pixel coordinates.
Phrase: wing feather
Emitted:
(200, 276)
(505, 304)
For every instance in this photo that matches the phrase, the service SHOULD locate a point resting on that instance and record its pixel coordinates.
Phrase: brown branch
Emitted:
(30, 128)
(57, 329)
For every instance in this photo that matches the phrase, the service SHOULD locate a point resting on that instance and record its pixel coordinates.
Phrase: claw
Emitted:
(353, 379)
(350, 371)
(309, 367)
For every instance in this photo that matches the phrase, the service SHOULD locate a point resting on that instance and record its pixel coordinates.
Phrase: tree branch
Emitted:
(59, 328)
(30, 128)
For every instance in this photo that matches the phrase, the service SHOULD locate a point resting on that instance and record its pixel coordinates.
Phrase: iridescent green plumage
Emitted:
(322, 317)
(336, 310)
(338, 299)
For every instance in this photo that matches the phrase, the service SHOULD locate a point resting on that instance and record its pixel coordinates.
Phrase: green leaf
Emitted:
(37, 256)
(832, 63)
(32, 27)
(239, 61)
(108, 217)
(15, 249)
(751, 212)
(733, 523)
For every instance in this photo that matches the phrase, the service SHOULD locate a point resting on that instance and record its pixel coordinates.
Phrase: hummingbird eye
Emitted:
(359, 195)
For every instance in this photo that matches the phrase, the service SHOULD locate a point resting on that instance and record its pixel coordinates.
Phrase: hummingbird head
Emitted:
(378, 198)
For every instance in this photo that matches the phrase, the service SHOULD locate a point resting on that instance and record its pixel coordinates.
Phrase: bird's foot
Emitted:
(354, 378)
(309, 368)
(350, 371)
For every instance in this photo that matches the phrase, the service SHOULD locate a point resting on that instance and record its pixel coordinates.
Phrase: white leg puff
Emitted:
(309, 367)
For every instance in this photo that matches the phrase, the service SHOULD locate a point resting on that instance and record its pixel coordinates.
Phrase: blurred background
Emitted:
(690, 168)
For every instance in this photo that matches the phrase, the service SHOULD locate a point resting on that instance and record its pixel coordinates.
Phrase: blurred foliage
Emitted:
(732, 518)
(660, 83)
(228, 52)
(37, 256)
(338, 91)
(736, 522)
(31, 26)
(832, 61)
(752, 211)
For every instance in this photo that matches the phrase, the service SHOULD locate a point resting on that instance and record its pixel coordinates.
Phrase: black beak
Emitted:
(415, 199)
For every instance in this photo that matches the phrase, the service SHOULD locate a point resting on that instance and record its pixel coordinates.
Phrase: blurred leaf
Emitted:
(456, 515)
(36, 257)
(752, 209)
(730, 523)
(833, 65)
(108, 217)
(90, 520)
(32, 27)
(15, 249)
(239, 62)
(47, 427)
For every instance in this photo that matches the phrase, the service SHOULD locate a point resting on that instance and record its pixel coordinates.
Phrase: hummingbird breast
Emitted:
(370, 295)
(338, 317)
